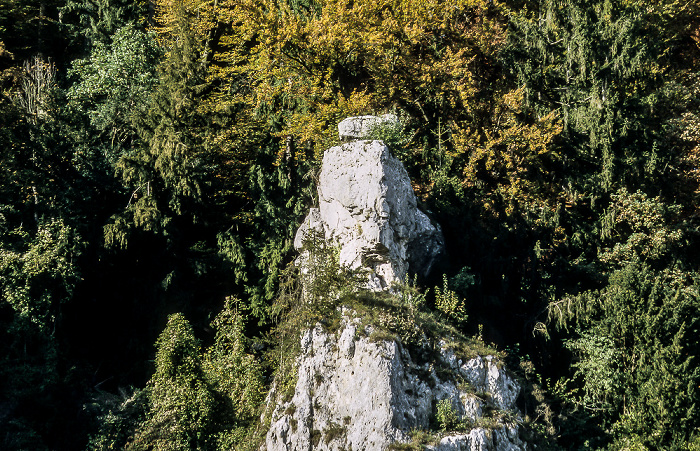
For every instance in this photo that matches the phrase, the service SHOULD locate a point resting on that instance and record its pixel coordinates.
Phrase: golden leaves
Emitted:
(312, 68)
(298, 72)
(511, 158)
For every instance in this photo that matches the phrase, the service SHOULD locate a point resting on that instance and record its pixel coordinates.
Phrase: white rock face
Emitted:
(485, 375)
(480, 439)
(353, 393)
(367, 207)
(356, 394)
(358, 127)
(476, 440)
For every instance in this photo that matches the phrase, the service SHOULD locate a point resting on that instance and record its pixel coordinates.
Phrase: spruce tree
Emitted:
(168, 171)
(595, 65)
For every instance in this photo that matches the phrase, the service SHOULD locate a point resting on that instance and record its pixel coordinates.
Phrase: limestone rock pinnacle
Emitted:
(368, 209)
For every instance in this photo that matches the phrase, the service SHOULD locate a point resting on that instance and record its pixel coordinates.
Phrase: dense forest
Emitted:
(157, 158)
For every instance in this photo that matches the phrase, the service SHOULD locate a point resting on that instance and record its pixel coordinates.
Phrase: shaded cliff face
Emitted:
(372, 380)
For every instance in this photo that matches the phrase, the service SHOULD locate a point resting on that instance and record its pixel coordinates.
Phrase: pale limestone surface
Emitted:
(353, 393)
(368, 209)
(476, 440)
(485, 375)
(356, 394)
(358, 127)
(479, 439)
(341, 383)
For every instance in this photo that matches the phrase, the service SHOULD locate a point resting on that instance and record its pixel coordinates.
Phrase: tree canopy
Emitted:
(159, 156)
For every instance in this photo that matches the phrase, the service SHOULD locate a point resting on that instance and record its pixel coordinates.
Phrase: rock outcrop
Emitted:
(360, 127)
(368, 209)
(357, 389)
(356, 393)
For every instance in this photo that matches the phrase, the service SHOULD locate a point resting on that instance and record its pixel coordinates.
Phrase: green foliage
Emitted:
(113, 86)
(635, 370)
(39, 276)
(557, 143)
(280, 195)
(446, 414)
(118, 417)
(637, 228)
(166, 171)
(197, 400)
(312, 291)
(598, 369)
(411, 295)
(449, 303)
(598, 72)
(100, 20)
(235, 374)
(182, 405)
(397, 135)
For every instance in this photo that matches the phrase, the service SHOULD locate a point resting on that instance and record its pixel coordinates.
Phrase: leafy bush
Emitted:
(202, 400)
(446, 415)
(447, 302)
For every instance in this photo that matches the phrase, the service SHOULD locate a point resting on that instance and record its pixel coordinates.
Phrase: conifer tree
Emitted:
(98, 20)
(635, 370)
(182, 405)
(168, 171)
(601, 66)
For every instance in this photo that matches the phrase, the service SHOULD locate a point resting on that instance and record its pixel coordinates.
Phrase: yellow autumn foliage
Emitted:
(510, 158)
(311, 67)
(297, 71)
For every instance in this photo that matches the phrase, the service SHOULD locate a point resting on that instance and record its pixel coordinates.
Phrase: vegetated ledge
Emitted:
(376, 371)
